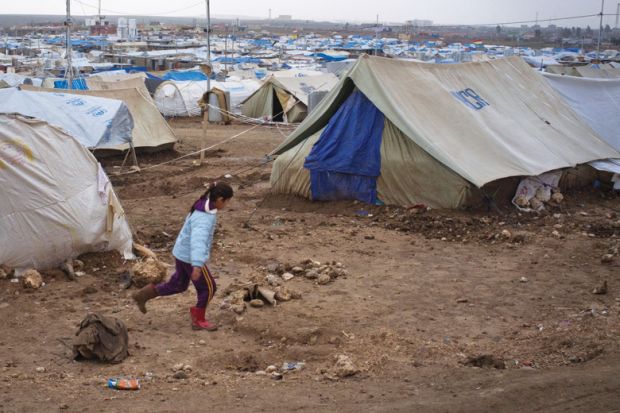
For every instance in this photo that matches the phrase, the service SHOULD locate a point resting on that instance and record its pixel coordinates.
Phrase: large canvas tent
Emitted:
(286, 98)
(446, 132)
(56, 200)
(151, 132)
(95, 122)
(597, 101)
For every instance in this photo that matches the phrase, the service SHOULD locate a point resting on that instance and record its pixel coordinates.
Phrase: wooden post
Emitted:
(205, 123)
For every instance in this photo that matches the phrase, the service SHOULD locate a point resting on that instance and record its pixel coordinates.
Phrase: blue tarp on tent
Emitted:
(346, 160)
(78, 84)
(189, 75)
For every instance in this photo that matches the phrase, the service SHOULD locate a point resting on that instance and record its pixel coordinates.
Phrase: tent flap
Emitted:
(346, 160)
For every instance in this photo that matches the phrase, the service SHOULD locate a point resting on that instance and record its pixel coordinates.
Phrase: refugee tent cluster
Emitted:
(404, 133)
(285, 99)
(57, 201)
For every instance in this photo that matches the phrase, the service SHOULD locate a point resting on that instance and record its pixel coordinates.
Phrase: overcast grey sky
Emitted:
(440, 11)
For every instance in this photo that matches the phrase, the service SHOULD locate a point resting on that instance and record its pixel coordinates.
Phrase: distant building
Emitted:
(285, 17)
(127, 28)
(99, 27)
(419, 23)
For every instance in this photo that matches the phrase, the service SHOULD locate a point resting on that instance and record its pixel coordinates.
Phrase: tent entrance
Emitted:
(346, 160)
(277, 111)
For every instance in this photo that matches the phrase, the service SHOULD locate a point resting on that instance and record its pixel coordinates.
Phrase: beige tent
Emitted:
(118, 81)
(601, 71)
(151, 131)
(286, 98)
(450, 131)
(562, 70)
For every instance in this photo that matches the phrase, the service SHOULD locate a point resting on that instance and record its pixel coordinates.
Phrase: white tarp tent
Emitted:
(180, 98)
(151, 131)
(95, 122)
(56, 200)
(597, 101)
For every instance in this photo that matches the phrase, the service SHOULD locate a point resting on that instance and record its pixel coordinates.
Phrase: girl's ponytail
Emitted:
(214, 191)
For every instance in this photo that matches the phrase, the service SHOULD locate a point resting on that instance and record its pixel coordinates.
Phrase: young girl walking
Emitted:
(191, 252)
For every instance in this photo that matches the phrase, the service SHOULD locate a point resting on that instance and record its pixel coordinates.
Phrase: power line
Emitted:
(155, 14)
(585, 16)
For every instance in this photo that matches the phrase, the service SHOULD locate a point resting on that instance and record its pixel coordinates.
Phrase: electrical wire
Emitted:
(154, 14)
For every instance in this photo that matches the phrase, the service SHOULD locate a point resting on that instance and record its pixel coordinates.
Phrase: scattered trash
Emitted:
(271, 369)
(101, 338)
(293, 365)
(523, 280)
(462, 300)
(124, 384)
(40, 369)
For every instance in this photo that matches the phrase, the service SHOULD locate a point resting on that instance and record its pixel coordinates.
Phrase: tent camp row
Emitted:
(285, 99)
(405, 133)
(598, 71)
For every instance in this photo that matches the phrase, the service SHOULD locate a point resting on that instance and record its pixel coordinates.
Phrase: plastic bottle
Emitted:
(124, 384)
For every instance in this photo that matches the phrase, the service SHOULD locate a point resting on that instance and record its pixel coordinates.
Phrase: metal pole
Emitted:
(69, 70)
(208, 44)
(600, 32)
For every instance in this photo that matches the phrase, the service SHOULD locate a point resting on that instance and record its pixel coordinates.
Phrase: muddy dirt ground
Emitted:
(440, 311)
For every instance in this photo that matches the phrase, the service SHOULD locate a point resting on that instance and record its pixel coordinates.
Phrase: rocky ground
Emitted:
(378, 308)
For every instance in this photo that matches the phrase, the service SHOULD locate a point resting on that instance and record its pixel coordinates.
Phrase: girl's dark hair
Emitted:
(214, 191)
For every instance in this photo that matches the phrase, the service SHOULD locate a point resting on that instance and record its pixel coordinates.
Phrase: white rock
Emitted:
(287, 276)
(40, 369)
(271, 369)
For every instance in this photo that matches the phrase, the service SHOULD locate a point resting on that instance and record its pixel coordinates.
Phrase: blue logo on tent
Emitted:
(471, 99)
(76, 102)
(97, 111)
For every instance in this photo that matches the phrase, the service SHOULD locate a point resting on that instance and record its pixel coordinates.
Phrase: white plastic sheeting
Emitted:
(95, 122)
(176, 98)
(597, 101)
(56, 202)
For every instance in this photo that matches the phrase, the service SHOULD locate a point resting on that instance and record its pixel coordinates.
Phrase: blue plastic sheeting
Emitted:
(346, 160)
(331, 58)
(189, 75)
(236, 60)
(78, 84)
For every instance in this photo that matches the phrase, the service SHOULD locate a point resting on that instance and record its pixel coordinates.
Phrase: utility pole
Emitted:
(208, 44)
(99, 19)
(618, 16)
(69, 69)
(600, 32)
